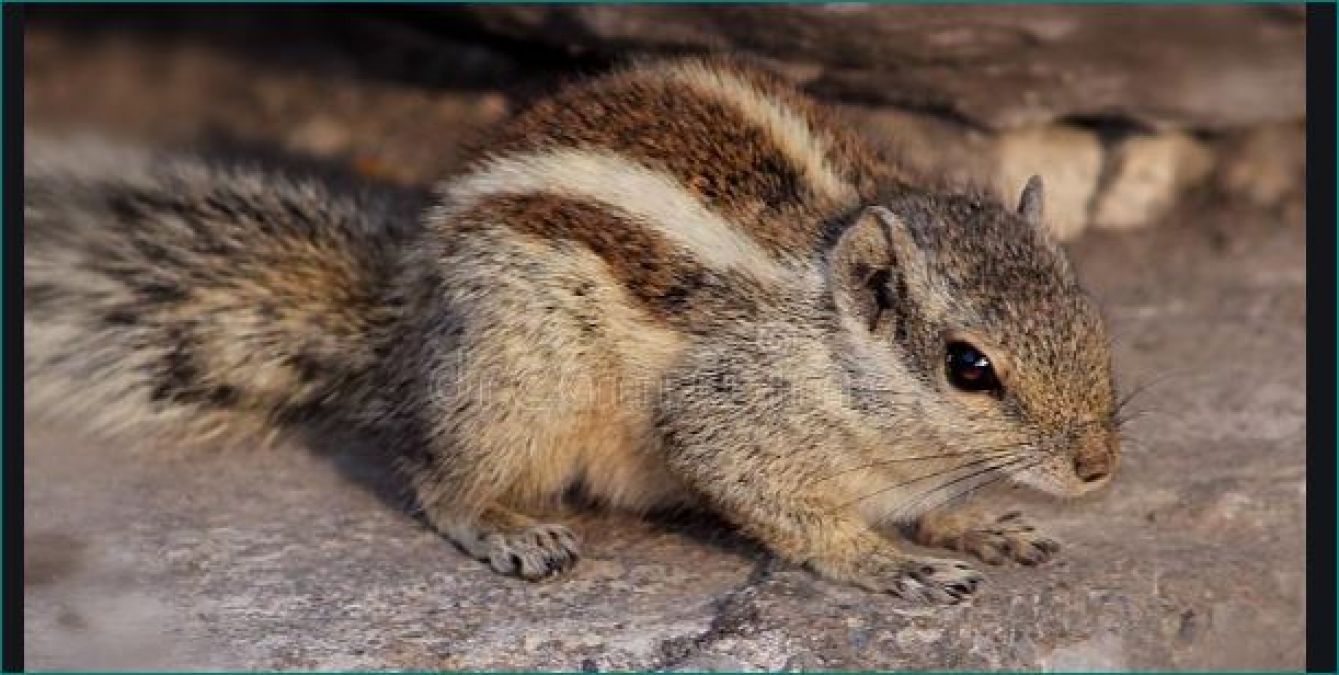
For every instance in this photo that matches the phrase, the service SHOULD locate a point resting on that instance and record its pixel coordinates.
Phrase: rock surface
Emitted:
(1070, 161)
(1265, 165)
(304, 559)
(1147, 174)
(208, 86)
(1000, 67)
(191, 92)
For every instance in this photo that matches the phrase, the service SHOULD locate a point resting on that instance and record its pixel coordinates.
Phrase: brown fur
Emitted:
(668, 283)
(732, 165)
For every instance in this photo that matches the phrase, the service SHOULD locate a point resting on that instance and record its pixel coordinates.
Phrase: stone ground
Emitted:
(302, 557)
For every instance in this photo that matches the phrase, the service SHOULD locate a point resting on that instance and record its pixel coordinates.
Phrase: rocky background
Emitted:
(1173, 146)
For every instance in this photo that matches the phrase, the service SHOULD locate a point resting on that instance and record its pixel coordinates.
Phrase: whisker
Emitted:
(897, 460)
(1146, 385)
(936, 474)
(975, 451)
(906, 508)
(1142, 412)
(1012, 471)
(992, 450)
(1119, 421)
(1006, 456)
(933, 474)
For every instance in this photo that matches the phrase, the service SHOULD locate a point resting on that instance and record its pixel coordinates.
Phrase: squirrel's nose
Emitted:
(1092, 465)
(1092, 469)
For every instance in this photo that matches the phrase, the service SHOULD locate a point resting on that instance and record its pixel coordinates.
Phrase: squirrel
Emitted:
(678, 284)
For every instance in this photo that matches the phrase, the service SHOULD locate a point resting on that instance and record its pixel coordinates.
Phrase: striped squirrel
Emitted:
(681, 284)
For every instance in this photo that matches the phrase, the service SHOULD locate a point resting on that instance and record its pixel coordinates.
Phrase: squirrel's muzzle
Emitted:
(1097, 461)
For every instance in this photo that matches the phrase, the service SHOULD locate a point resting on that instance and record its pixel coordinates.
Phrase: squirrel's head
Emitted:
(1008, 353)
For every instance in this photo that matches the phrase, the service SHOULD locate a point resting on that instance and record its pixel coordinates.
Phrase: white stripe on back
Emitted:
(788, 129)
(650, 197)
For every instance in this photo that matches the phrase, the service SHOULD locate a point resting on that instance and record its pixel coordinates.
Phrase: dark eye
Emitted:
(969, 369)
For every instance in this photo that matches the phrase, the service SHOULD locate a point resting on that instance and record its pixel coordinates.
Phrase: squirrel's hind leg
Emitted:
(993, 540)
(511, 543)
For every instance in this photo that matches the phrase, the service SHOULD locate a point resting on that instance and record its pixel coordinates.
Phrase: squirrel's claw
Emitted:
(533, 553)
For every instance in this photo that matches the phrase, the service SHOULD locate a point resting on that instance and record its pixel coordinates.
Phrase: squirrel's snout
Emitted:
(1092, 468)
(1096, 462)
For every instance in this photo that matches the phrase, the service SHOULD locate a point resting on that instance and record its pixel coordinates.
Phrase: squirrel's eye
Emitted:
(969, 369)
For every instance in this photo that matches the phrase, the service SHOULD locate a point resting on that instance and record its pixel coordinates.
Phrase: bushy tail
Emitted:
(165, 294)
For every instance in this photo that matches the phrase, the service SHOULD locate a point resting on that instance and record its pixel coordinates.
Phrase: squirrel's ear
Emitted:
(869, 253)
(1030, 203)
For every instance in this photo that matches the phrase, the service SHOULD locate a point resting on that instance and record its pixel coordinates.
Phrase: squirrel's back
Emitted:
(610, 222)
(680, 176)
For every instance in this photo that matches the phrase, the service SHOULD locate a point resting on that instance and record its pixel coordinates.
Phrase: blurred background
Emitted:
(1173, 146)
(1122, 109)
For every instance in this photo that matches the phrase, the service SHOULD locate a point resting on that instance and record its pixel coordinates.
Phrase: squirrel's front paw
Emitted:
(936, 580)
(533, 552)
(1008, 537)
(930, 580)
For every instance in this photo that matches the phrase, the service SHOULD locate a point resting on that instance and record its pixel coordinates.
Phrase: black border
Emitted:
(1320, 290)
(12, 658)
